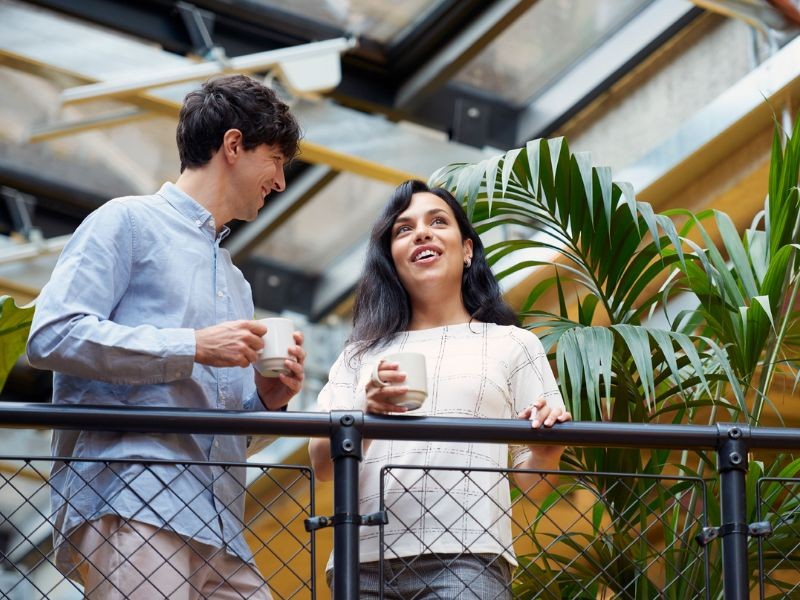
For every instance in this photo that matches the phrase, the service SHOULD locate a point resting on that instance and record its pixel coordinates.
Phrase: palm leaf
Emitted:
(15, 323)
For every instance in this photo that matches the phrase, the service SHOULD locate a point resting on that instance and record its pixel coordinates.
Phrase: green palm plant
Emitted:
(611, 269)
(15, 323)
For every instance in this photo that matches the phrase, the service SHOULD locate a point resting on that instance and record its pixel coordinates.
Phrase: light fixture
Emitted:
(308, 68)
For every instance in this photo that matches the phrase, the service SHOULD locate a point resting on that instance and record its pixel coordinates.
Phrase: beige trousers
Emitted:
(128, 559)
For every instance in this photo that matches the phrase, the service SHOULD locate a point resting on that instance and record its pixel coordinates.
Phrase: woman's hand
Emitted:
(540, 414)
(543, 458)
(388, 386)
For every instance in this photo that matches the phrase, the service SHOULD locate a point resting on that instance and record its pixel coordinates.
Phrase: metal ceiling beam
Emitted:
(371, 73)
(79, 201)
(55, 130)
(634, 41)
(720, 128)
(278, 210)
(338, 281)
(239, 27)
(341, 138)
(460, 50)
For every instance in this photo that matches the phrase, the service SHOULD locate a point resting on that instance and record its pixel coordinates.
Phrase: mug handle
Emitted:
(376, 378)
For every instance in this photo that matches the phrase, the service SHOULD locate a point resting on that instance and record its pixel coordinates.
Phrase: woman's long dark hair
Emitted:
(382, 306)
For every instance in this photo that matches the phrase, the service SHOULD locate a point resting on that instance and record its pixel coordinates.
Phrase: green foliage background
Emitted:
(613, 269)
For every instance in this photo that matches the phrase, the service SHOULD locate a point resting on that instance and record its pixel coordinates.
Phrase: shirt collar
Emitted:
(190, 208)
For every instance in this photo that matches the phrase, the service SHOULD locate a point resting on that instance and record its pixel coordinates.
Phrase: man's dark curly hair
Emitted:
(233, 102)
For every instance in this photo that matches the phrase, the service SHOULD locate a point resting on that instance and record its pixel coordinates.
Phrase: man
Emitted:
(144, 308)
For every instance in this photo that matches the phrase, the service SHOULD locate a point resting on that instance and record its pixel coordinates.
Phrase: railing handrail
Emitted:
(318, 424)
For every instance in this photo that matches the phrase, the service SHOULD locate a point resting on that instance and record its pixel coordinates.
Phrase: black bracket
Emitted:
(346, 434)
(732, 450)
(378, 518)
(759, 529)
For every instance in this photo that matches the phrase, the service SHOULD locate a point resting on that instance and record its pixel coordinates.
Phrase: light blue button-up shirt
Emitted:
(116, 324)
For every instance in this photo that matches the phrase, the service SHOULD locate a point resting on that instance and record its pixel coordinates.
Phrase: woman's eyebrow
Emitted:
(432, 211)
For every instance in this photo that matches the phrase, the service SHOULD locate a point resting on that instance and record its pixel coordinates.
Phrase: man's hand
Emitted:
(230, 344)
(275, 392)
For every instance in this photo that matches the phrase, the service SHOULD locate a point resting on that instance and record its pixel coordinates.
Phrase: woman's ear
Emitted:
(467, 249)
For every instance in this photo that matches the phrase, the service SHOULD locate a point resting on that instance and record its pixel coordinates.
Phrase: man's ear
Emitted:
(232, 145)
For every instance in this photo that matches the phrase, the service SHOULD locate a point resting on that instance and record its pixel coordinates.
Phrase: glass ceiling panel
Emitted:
(550, 37)
(334, 221)
(380, 20)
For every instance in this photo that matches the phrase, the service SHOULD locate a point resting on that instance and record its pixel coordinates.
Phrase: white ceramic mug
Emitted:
(413, 365)
(277, 340)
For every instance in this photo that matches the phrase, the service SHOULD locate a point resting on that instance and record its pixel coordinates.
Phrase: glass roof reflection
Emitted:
(550, 37)
(380, 20)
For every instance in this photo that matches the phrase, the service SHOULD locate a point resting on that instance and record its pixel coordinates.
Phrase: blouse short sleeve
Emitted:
(531, 378)
(344, 390)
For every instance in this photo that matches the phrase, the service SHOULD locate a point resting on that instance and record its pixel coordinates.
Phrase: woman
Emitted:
(427, 288)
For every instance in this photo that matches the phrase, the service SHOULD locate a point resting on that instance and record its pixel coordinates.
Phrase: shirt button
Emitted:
(198, 222)
(220, 294)
(216, 444)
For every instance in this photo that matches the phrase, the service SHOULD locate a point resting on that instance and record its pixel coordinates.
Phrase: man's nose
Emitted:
(279, 183)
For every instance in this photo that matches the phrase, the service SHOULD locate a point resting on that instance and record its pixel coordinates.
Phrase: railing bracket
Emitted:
(314, 523)
(706, 535)
(758, 529)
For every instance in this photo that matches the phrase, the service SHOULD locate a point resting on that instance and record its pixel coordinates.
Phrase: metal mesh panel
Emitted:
(573, 534)
(778, 501)
(154, 561)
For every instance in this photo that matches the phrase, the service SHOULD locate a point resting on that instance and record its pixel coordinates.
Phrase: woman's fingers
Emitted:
(541, 414)
(525, 413)
(381, 403)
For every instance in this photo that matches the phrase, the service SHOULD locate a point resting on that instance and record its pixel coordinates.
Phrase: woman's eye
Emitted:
(439, 221)
(402, 229)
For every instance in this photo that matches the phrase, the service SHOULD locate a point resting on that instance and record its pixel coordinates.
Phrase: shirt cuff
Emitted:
(255, 403)
(180, 358)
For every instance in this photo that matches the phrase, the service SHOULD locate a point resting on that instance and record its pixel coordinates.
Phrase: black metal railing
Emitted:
(573, 539)
(779, 553)
(281, 550)
(675, 558)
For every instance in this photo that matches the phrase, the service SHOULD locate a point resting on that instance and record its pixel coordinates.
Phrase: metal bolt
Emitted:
(734, 433)
(348, 445)
(735, 458)
(347, 420)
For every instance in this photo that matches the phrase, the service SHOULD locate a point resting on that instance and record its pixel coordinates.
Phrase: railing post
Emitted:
(346, 454)
(732, 466)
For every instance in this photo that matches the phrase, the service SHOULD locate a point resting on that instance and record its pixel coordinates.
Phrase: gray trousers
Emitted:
(436, 576)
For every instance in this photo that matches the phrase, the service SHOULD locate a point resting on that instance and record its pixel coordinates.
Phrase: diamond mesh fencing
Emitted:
(561, 534)
(779, 553)
(127, 547)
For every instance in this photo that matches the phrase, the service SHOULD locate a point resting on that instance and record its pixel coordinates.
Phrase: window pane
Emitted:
(335, 220)
(380, 20)
(550, 37)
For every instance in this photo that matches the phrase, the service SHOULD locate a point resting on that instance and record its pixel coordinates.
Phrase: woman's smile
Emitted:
(425, 254)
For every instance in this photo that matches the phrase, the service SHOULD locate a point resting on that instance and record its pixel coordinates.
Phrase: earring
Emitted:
(468, 262)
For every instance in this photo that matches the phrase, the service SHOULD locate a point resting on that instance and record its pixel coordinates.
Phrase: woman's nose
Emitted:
(422, 232)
